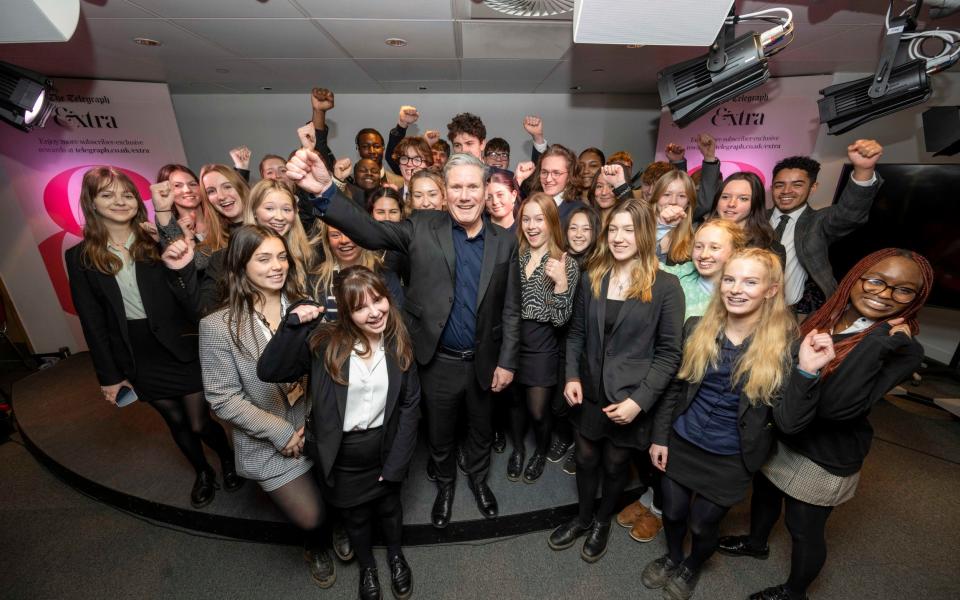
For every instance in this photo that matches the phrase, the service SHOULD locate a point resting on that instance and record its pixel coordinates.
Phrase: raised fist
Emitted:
(864, 154)
(408, 116)
(675, 152)
(614, 175)
(307, 135)
(707, 146)
(306, 168)
(524, 170)
(432, 136)
(816, 351)
(321, 99)
(161, 194)
(178, 254)
(534, 126)
(672, 214)
(342, 168)
(241, 157)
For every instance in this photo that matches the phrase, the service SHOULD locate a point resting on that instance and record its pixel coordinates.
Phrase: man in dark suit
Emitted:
(462, 309)
(806, 233)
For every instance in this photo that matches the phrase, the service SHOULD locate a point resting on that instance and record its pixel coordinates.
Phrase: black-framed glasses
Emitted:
(498, 154)
(899, 294)
(416, 161)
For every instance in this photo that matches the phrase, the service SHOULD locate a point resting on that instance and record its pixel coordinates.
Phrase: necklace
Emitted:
(620, 281)
(266, 323)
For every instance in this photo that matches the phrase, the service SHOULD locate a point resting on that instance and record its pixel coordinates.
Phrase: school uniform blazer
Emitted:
(816, 229)
(288, 357)
(263, 420)
(756, 423)
(643, 351)
(426, 238)
(99, 305)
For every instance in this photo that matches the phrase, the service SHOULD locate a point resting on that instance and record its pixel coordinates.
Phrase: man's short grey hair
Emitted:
(461, 160)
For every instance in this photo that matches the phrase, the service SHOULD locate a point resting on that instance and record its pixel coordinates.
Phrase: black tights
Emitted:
(358, 521)
(535, 402)
(190, 423)
(806, 524)
(616, 460)
(648, 475)
(301, 502)
(703, 517)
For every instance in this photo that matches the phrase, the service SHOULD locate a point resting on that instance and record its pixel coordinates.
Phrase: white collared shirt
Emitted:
(367, 392)
(857, 326)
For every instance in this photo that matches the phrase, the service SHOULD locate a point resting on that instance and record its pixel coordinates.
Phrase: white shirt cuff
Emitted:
(867, 183)
(541, 148)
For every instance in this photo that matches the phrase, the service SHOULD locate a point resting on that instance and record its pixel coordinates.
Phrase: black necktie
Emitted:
(781, 227)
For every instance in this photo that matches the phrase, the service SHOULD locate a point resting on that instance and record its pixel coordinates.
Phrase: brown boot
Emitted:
(646, 527)
(629, 515)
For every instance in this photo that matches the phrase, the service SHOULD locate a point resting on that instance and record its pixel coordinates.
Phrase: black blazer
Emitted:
(99, 305)
(756, 423)
(426, 238)
(643, 352)
(287, 357)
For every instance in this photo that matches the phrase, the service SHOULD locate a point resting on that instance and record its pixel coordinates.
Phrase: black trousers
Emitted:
(448, 385)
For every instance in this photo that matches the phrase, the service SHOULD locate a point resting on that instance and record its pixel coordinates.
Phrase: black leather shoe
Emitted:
(231, 481)
(739, 545)
(656, 574)
(778, 592)
(442, 507)
(558, 450)
(341, 543)
(461, 460)
(401, 578)
(369, 584)
(204, 488)
(322, 568)
(486, 501)
(515, 465)
(431, 470)
(499, 442)
(595, 546)
(534, 468)
(682, 584)
(566, 535)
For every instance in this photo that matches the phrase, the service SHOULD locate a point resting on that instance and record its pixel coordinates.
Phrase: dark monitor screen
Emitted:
(917, 208)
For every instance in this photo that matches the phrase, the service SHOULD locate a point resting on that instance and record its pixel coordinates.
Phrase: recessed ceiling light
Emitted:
(395, 42)
(576, 88)
(146, 41)
(222, 70)
(422, 87)
(266, 88)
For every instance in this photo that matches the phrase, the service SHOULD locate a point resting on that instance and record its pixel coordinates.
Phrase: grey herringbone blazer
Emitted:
(259, 412)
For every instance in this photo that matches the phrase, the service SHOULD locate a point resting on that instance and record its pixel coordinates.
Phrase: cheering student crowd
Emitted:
(660, 322)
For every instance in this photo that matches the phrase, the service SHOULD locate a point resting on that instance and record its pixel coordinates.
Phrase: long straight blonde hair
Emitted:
(644, 272)
(300, 249)
(761, 368)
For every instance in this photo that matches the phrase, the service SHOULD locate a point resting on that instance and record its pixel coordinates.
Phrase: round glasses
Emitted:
(900, 295)
(416, 161)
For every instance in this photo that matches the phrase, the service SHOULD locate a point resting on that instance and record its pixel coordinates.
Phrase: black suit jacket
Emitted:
(99, 304)
(642, 354)
(757, 432)
(426, 238)
(287, 357)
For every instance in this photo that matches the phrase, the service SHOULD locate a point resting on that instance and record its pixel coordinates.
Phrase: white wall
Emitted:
(267, 123)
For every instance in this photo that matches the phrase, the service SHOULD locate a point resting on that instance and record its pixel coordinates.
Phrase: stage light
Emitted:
(733, 66)
(901, 80)
(24, 97)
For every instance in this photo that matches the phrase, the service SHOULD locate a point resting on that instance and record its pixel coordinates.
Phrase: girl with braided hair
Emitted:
(871, 322)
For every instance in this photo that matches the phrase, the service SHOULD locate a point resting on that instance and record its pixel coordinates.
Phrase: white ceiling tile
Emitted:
(498, 87)
(112, 9)
(277, 38)
(336, 74)
(220, 9)
(378, 9)
(365, 38)
(504, 69)
(198, 87)
(516, 39)
(118, 34)
(422, 87)
(209, 70)
(419, 69)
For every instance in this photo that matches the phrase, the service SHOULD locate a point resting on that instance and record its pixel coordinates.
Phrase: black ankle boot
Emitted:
(204, 488)
(401, 577)
(231, 481)
(595, 546)
(369, 584)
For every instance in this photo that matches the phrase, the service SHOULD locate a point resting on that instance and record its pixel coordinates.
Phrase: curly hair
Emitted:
(804, 163)
(466, 123)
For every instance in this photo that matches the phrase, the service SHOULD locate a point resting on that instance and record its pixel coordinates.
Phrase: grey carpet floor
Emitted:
(899, 538)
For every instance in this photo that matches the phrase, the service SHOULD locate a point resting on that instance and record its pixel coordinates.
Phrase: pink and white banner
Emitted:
(127, 125)
(756, 129)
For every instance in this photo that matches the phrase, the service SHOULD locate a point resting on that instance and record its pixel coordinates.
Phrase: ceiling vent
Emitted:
(531, 8)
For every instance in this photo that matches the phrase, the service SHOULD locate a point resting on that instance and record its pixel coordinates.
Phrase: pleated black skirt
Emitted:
(160, 374)
(721, 479)
(356, 472)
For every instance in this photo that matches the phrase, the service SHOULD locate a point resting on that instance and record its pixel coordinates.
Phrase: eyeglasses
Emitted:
(553, 174)
(410, 160)
(900, 295)
(497, 155)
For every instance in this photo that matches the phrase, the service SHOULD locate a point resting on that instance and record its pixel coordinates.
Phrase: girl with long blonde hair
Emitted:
(272, 204)
(674, 197)
(713, 430)
(623, 349)
(226, 191)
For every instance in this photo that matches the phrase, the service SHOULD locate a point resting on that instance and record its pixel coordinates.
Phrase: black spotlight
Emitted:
(25, 97)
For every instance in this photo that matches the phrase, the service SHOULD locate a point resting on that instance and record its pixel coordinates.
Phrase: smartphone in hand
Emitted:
(126, 396)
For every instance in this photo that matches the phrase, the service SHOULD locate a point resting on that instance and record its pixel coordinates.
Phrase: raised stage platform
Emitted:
(126, 458)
